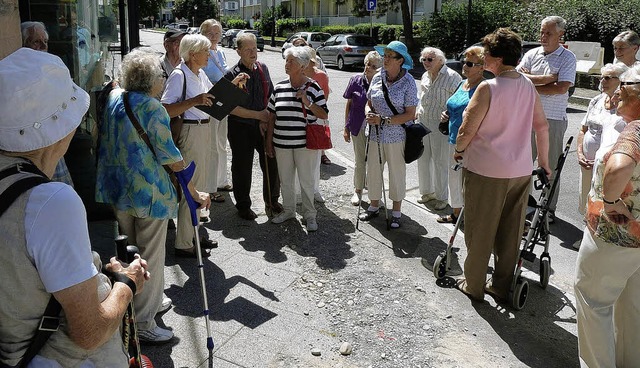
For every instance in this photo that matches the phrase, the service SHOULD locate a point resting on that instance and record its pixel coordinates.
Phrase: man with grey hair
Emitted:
(552, 69)
(35, 36)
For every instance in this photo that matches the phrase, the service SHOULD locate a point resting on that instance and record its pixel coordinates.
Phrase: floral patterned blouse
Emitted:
(627, 235)
(129, 176)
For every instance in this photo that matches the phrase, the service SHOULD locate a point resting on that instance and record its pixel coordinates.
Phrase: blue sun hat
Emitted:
(401, 49)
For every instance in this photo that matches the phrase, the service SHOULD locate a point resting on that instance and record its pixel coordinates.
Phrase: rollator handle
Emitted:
(542, 180)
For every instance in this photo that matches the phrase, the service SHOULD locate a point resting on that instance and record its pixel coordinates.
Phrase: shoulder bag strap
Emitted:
(265, 85)
(136, 124)
(51, 318)
(386, 98)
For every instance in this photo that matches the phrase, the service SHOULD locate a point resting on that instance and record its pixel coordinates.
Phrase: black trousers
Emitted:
(244, 139)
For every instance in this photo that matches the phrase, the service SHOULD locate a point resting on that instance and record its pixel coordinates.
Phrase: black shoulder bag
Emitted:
(50, 320)
(413, 147)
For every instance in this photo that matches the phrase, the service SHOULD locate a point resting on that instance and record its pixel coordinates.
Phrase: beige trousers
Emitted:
(393, 155)
(298, 162)
(150, 236)
(359, 145)
(191, 142)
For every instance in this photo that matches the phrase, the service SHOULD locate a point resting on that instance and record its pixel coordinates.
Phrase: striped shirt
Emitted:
(434, 94)
(290, 127)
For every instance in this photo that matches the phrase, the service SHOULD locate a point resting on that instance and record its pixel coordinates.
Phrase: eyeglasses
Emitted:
(471, 64)
(429, 59)
(629, 83)
(607, 77)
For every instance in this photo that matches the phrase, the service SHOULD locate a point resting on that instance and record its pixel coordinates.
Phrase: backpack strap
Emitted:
(50, 320)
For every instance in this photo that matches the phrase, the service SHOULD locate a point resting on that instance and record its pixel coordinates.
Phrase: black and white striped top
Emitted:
(290, 126)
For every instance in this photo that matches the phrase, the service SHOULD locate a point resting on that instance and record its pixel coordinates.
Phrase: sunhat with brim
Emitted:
(39, 102)
(401, 49)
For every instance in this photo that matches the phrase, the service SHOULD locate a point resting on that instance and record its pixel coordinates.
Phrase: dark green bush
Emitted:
(389, 33)
(290, 25)
(363, 28)
(338, 28)
(235, 23)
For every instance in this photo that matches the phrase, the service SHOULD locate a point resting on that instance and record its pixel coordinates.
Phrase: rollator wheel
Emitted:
(440, 266)
(545, 267)
(519, 297)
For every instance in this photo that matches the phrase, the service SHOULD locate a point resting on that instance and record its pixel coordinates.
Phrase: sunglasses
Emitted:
(422, 60)
(607, 77)
(471, 64)
(629, 83)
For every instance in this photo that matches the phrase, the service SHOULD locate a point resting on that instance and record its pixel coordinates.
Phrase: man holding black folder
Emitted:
(247, 124)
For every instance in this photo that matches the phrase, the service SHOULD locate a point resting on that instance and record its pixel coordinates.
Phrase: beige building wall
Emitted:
(10, 39)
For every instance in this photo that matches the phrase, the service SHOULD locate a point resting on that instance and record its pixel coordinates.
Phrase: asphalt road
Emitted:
(566, 230)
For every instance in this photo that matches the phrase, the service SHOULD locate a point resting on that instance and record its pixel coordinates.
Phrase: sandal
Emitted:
(217, 197)
(461, 284)
(368, 215)
(449, 219)
(325, 160)
(395, 222)
(226, 188)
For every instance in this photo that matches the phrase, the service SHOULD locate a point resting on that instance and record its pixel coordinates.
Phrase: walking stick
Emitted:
(384, 195)
(126, 254)
(366, 154)
(266, 169)
(184, 177)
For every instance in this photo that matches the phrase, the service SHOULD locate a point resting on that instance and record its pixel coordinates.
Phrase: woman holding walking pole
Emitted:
(391, 89)
(356, 95)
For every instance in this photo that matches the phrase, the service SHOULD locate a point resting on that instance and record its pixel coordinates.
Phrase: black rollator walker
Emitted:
(384, 195)
(538, 232)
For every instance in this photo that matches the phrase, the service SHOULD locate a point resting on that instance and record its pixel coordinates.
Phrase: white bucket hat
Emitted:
(39, 103)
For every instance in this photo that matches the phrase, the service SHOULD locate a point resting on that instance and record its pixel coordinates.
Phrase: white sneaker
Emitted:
(283, 216)
(312, 224)
(317, 196)
(577, 244)
(440, 205)
(166, 304)
(156, 335)
(426, 198)
(355, 199)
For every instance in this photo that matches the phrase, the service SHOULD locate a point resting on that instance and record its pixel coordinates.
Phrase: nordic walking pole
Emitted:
(384, 195)
(366, 154)
(184, 177)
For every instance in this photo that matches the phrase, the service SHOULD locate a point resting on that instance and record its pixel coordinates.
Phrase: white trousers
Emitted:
(393, 155)
(300, 163)
(191, 142)
(456, 198)
(608, 304)
(150, 236)
(359, 145)
(433, 165)
(585, 187)
(217, 168)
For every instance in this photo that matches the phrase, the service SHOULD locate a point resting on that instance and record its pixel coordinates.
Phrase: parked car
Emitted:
(314, 39)
(228, 37)
(346, 50)
(193, 30)
(259, 39)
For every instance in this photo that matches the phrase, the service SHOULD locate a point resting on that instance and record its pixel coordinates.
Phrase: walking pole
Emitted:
(126, 254)
(366, 154)
(384, 195)
(184, 177)
(266, 169)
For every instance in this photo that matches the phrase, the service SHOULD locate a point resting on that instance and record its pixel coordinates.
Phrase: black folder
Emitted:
(227, 97)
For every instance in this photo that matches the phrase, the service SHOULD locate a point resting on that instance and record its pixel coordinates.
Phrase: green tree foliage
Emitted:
(447, 28)
(150, 8)
(234, 21)
(359, 9)
(266, 21)
(290, 25)
(197, 10)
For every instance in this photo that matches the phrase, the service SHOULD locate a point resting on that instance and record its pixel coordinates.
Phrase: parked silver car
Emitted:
(346, 50)
(314, 39)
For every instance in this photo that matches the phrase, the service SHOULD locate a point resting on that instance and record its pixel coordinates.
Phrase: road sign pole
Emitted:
(371, 25)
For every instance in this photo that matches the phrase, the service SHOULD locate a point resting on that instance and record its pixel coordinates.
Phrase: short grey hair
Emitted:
(628, 37)
(374, 59)
(244, 37)
(193, 43)
(561, 24)
(616, 69)
(208, 24)
(302, 56)
(439, 54)
(140, 69)
(631, 75)
(26, 27)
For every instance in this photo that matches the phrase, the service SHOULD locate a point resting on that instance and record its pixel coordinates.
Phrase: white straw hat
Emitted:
(39, 103)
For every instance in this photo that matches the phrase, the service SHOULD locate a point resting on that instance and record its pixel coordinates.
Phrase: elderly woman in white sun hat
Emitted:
(44, 246)
(387, 130)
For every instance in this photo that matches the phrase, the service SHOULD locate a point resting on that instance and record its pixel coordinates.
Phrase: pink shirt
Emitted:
(502, 146)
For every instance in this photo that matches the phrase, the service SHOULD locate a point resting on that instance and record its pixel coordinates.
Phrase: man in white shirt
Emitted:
(552, 68)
